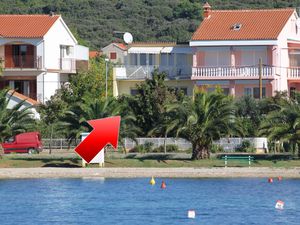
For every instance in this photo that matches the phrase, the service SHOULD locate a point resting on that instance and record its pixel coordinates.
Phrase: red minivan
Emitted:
(24, 143)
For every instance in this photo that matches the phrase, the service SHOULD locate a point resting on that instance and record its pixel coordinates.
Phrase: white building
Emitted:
(142, 59)
(38, 53)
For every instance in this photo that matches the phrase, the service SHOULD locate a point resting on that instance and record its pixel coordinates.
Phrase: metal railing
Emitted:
(67, 65)
(228, 144)
(131, 72)
(246, 72)
(23, 62)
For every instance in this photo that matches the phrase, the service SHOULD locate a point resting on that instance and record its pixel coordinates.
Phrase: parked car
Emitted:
(29, 142)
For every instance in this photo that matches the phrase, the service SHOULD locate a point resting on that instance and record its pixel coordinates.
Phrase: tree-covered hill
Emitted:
(166, 20)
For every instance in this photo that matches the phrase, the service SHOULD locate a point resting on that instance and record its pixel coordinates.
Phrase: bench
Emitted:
(227, 158)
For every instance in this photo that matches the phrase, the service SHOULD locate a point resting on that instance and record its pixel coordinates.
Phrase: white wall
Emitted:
(282, 56)
(57, 35)
(81, 52)
(14, 101)
(47, 84)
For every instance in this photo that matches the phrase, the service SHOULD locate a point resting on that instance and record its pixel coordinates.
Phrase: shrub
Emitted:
(216, 148)
(245, 146)
(169, 148)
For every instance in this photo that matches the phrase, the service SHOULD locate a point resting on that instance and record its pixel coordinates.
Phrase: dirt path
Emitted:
(21, 173)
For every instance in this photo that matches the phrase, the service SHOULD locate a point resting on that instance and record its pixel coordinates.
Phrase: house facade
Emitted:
(229, 44)
(141, 59)
(38, 53)
(115, 52)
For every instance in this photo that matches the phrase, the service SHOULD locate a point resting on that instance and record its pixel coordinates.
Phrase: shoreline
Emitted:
(229, 172)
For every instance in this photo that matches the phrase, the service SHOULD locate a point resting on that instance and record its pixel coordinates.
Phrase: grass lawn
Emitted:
(72, 160)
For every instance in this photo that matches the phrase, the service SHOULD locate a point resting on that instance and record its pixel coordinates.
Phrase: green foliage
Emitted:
(144, 148)
(88, 84)
(15, 120)
(202, 120)
(149, 105)
(169, 148)
(93, 21)
(216, 148)
(245, 146)
(283, 124)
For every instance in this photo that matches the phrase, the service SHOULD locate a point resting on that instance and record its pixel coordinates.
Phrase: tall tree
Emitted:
(283, 124)
(201, 121)
(149, 105)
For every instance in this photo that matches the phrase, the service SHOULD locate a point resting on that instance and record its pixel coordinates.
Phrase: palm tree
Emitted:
(14, 120)
(283, 124)
(74, 122)
(202, 120)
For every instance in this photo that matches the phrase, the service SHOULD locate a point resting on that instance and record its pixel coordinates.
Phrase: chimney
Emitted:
(206, 10)
(51, 13)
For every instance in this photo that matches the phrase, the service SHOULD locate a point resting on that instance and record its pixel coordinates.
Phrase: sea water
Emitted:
(136, 202)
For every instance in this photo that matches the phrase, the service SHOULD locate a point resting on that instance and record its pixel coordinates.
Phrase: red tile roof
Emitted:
(26, 26)
(121, 46)
(23, 97)
(255, 24)
(93, 54)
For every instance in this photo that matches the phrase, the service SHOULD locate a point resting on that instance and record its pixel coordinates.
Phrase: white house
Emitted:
(38, 53)
(142, 58)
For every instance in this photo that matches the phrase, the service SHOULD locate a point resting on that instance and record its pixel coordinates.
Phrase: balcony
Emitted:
(225, 73)
(18, 62)
(67, 65)
(145, 72)
(294, 73)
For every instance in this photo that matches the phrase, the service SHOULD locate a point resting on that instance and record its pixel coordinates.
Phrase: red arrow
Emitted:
(106, 131)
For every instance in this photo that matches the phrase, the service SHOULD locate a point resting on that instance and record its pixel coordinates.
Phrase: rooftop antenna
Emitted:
(127, 37)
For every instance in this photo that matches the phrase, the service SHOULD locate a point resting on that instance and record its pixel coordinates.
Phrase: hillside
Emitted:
(167, 20)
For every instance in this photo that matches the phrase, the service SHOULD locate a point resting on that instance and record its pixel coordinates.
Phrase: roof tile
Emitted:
(256, 24)
(25, 26)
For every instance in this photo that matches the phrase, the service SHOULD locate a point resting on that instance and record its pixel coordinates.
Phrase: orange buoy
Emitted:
(163, 185)
(270, 180)
(279, 178)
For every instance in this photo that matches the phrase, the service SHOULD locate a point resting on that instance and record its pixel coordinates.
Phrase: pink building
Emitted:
(229, 43)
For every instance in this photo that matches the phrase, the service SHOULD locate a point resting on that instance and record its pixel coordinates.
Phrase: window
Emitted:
(236, 26)
(248, 91)
(113, 55)
(133, 59)
(254, 92)
(143, 59)
(134, 92)
(251, 57)
(217, 58)
(225, 91)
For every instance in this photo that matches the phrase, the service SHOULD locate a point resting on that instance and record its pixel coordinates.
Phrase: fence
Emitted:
(228, 144)
(59, 143)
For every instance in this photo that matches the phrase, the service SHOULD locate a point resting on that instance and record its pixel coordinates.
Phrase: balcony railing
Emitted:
(22, 62)
(67, 65)
(294, 73)
(144, 72)
(219, 73)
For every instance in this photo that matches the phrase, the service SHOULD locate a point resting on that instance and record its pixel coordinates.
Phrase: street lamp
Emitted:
(106, 63)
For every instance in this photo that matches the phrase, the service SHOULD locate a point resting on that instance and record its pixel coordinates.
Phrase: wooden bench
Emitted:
(227, 158)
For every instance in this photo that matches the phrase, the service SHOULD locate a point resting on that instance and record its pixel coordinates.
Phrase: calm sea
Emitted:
(134, 201)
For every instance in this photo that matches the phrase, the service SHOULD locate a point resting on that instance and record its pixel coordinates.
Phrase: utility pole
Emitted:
(260, 77)
(106, 71)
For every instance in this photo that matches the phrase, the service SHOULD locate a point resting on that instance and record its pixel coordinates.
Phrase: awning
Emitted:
(178, 50)
(145, 50)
